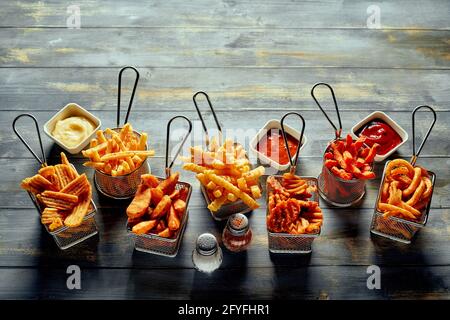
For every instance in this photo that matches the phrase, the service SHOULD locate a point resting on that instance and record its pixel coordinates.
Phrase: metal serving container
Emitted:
(125, 186)
(334, 190)
(286, 242)
(65, 237)
(396, 228)
(152, 243)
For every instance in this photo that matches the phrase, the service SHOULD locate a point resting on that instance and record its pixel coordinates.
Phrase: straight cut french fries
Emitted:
(117, 153)
(226, 174)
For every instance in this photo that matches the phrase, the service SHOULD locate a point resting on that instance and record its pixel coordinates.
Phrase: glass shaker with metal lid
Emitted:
(237, 234)
(207, 255)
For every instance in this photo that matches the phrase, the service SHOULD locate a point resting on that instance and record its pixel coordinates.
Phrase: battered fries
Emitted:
(349, 159)
(226, 174)
(64, 195)
(406, 190)
(158, 207)
(290, 211)
(117, 153)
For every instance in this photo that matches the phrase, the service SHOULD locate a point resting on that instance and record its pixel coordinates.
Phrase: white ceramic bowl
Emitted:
(274, 124)
(394, 125)
(71, 110)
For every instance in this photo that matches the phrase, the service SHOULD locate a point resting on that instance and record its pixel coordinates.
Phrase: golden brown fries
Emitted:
(64, 194)
(117, 153)
(158, 207)
(226, 174)
(406, 190)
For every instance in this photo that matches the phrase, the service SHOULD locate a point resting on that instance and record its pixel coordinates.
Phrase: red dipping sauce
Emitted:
(378, 131)
(272, 146)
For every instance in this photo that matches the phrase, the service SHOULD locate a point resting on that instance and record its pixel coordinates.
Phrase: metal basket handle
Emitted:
(338, 131)
(119, 91)
(293, 162)
(169, 167)
(42, 161)
(417, 153)
(205, 129)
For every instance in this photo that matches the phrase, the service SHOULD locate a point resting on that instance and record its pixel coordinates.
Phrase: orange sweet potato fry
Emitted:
(179, 206)
(144, 226)
(150, 180)
(140, 203)
(166, 233)
(172, 219)
(157, 195)
(162, 207)
(168, 185)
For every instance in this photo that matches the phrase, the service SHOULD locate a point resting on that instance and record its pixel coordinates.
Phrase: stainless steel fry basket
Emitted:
(285, 242)
(291, 243)
(334, 190)
(152, 243)
(395, 228)
(125, 186)
(230, 208)
(340, 192)
(121, 187)
(65, 237)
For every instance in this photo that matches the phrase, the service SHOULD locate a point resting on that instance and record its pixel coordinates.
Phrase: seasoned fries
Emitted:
(349, 159)
(290, 211)
(225, 173)
(406, 190)
(158, 208)
(117, 153)
(64, 194)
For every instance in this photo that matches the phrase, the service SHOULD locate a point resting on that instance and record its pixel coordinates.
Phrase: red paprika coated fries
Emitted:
(350, 159)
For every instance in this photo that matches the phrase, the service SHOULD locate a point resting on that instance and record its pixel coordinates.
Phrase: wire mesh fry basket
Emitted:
(152, 243)
(230, 208)
(334, 190)
(124, 186)
(65, 237)
(285, 242)
(396, 228)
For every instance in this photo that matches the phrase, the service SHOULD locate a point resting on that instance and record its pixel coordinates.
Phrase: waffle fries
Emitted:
(289, 210)
(225, 173)
(64, 194)
(117, 153)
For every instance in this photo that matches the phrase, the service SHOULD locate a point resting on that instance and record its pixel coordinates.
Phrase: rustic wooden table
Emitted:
(257, 60)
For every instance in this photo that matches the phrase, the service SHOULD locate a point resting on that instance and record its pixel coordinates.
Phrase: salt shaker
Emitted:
(207, 255)
(237, 234)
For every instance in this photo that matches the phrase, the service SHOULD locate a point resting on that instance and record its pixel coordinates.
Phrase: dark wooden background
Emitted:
(257, 60)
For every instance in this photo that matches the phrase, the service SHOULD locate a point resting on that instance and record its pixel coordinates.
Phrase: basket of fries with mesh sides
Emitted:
(404, 198)
(294, 218)
(119, 155)
(228, 182)
(158, 213)
(347, 164)
(62, 197)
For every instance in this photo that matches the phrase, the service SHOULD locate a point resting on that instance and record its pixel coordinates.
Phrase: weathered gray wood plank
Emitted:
(197, 47)
(235, 89)
(242, 283)
(227, 14)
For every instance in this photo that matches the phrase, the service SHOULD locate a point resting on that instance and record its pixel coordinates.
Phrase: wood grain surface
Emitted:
(257, 60)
